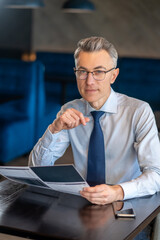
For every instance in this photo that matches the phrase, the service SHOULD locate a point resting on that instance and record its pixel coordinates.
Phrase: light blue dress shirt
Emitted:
(132, 147)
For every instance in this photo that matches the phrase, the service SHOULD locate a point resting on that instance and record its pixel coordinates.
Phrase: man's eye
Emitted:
(98, 72)
(82, 72)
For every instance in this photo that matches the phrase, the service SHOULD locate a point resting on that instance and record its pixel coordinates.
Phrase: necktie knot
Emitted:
(97, 114)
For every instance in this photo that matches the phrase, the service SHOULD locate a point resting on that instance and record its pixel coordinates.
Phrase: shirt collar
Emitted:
(109, 106)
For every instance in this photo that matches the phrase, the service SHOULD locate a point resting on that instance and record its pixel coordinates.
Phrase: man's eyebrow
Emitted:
(98, 67)
(80, 67)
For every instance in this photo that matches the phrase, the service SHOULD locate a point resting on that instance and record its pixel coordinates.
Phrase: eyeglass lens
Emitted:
(97, 75)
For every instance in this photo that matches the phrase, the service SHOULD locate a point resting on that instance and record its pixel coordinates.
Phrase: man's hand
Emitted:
(71, 118)
(103, 194)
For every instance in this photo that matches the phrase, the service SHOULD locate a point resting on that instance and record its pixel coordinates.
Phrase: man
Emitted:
(132, 148)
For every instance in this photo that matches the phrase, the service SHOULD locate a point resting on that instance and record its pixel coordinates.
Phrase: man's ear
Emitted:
(114, 75)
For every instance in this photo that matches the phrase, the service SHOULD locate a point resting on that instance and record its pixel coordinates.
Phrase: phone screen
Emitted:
(123, 209)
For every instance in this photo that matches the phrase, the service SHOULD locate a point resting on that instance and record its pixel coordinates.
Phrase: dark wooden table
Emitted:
(43, 214)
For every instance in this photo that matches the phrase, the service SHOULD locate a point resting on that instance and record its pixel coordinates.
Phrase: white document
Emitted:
(63, 178)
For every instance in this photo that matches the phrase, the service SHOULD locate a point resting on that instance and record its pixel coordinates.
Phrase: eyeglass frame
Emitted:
(75, 70)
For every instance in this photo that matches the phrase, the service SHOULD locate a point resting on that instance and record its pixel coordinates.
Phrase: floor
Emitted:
(9, 237)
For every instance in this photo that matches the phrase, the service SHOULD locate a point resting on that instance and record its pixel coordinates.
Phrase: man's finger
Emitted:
(91, 195)
(97, 188)
(83, 119)
(87, 119)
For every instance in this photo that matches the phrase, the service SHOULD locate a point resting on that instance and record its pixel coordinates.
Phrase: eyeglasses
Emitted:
(98, 75)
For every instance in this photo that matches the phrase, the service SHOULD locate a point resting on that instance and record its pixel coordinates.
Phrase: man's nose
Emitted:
(90, 78)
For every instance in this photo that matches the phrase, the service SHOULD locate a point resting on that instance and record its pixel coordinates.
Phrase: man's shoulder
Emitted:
(127, 101)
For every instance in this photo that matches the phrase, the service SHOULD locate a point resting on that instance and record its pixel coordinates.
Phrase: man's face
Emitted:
(93, 91)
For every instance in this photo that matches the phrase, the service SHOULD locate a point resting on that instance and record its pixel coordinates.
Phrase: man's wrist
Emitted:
(52, 128)
(119, 192)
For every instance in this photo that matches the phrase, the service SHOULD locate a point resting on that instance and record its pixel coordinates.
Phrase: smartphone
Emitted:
(123, 209)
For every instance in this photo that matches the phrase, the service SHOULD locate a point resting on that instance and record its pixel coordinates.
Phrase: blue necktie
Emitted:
(96, 153)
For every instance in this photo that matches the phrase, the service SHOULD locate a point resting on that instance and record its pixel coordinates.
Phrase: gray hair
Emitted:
(93, 44)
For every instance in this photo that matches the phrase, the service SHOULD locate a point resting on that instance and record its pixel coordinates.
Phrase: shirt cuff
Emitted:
(130, 190)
